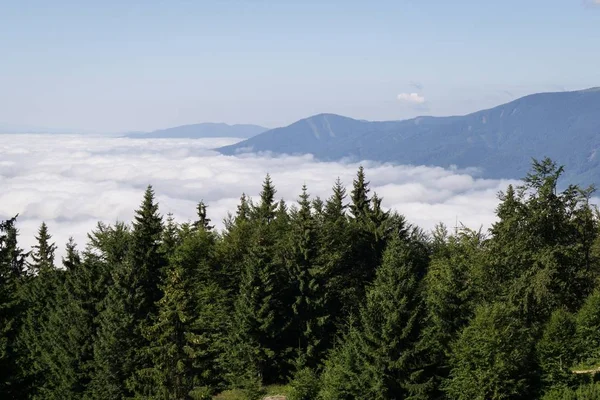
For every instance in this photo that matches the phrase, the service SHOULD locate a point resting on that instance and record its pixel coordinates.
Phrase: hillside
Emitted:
(500, 141)
(204, 130)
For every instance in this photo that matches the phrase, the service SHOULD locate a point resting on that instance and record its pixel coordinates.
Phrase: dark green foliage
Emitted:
(185, 339)
(129, 306)
(450, 296)
(583, 392)
(255, 331)
(42, 253)
(337, 300)
(492, 358)
(38, 298)
(117, 337)
(307, 279)
(145, 256)
(360, 207)
(380, 358)
(587, 336)
(542, 246)
(304, 385)
(12, 263)
(203, 221)
(556, 350)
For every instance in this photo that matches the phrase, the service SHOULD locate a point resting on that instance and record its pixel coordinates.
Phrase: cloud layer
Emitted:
(71, 182)
(413, 98)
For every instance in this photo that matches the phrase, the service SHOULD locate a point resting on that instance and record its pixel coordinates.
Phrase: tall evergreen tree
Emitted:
(450, 297)
(307, 282)
(38, 296)
(335, 255)
(233, 248)
(12, 262)
(130, 305)
(258, 352)
(493, 357)
(71, 327)
(264, 211)
(42, 254)
(170, 237)
(145, 255)
(203, 221)
(255, 329)
(542, 245)
(556, 351)
(380, 361)
(185, 339)
(360, 207)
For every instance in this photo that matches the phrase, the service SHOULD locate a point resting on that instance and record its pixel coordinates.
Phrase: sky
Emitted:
(129, 65)
(73, 181)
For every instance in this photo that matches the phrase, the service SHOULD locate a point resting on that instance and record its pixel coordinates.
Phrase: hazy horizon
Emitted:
(140, 67)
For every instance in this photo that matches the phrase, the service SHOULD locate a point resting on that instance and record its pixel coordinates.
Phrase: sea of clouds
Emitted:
(72, 182)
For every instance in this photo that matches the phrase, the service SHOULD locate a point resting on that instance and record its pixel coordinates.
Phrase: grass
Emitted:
(235, 394)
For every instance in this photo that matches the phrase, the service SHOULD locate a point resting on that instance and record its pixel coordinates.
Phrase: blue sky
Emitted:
(141, 65)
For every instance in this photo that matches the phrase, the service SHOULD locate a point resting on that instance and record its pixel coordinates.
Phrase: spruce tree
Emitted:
(557, 351)
(145, 255)
(257, 350)
(587, 336)
(335, 242)
(42, 254)
(185, 339)
(264, 211)
(71, 327)
(233, 248)
(360, 207)
(130, 305)
(172, 373)
(12, 263)
(118, 342)
(366, 236)
(255, 329)
(307, 282)
(541, 250)
(451, 288)
(38, 297)
(384, 365)
(492, 357)
(203, 221)
(170, 237)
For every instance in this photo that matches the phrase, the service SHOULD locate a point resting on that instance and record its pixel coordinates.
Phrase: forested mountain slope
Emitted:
(501, 141)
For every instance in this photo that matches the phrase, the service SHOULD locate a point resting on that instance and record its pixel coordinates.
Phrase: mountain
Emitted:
(499, 141)
(204, 130)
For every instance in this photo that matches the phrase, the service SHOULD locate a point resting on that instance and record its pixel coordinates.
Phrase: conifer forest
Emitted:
(335, 299)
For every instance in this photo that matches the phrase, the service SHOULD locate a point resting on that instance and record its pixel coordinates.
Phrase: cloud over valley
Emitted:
(72, 182)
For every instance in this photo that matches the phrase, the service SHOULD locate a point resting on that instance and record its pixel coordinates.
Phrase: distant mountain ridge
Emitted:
(203, 130)
(500, 141)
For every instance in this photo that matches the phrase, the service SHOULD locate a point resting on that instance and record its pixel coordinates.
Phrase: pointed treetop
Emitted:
(267, 195)
(335, 206)
(148, 211)
(265, 211)
(12, 258)
(72, 259)
(170, 236)
(243, 209)
(203, 221)
(317, 205)
(304, 198)
(42, 253)
(359, 195)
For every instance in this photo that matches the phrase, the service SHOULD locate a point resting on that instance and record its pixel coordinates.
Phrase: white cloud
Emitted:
(71, 182)
(414, 98)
